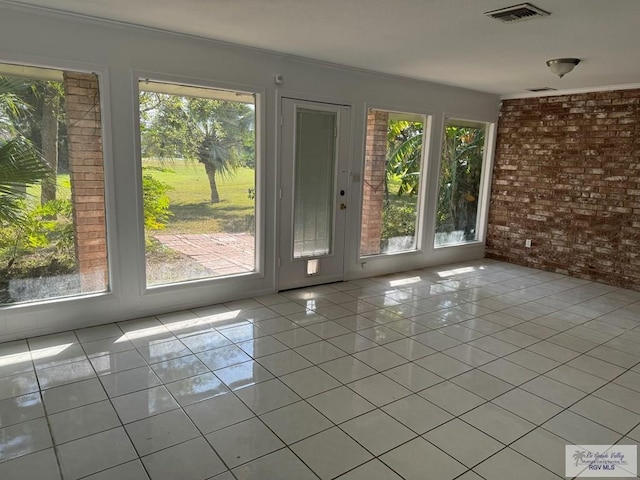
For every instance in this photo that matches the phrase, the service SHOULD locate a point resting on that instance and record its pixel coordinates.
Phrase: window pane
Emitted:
(314, 177)
(392, 176)
(198, 180)
(53, 240)
(459, 185)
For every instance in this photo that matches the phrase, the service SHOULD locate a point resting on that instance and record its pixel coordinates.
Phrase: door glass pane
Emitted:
(53, 238)
(314, 183)
(392, 177)
(459, 183)
(198, 157)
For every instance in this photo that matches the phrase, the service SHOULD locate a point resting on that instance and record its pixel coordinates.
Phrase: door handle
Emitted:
(343, 206)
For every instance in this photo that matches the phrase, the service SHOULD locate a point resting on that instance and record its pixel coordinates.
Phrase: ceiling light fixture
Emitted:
(562, 66)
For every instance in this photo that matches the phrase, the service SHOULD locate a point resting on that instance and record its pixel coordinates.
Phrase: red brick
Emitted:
(566, 175)
(87, 177)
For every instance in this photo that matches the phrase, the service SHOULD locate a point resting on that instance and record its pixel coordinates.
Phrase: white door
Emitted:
(314, 162)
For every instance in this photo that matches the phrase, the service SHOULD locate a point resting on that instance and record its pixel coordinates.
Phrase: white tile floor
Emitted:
(481, 370)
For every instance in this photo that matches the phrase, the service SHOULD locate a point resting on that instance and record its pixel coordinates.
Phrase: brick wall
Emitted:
(567, 176)
(82, 96)
(373, 180)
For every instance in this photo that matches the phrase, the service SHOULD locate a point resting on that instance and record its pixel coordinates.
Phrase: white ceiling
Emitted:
(445, 41)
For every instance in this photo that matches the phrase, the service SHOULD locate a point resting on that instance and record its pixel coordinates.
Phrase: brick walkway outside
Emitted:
(222, 253)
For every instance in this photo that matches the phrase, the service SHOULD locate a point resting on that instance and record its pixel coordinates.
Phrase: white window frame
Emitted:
(260, 182)
(482, 213)
(421, 204)
(61, 313)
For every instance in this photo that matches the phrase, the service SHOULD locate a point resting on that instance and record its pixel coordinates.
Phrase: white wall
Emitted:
(120, 53)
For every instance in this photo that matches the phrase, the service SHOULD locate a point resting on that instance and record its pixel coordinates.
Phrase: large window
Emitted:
(392, 182)
(53, 239)
(463, 153)
(198, 157)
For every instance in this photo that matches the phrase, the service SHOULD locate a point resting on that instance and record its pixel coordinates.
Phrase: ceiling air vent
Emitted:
(517, 13)
(541, 89)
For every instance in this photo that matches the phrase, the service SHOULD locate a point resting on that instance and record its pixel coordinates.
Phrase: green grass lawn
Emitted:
(191, 212)
(63, 189)
(404, 200)
(190, 207)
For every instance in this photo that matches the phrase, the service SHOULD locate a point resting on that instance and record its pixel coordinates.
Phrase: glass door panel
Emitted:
(314, 183)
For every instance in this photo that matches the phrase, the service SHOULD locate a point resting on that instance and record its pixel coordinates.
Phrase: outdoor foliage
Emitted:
(404, 155)
(460, 173)
(402, 180)
(42, 227)
(21, 163)
(45, 127)
(459, 183)
(156, 202)
(40, 245)
(20, 166)
(217, 133)
(36, 229)
(397, 221)
(190, 206)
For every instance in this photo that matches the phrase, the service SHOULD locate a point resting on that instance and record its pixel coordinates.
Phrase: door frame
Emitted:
(284, 193)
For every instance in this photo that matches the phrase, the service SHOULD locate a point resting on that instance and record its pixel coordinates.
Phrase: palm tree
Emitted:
(221, 128)
(216, 133)
(405, 154)
(20, 162)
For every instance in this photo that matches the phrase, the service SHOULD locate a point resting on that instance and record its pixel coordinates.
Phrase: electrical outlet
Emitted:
(527, 243)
